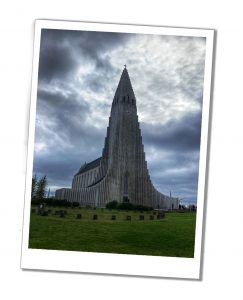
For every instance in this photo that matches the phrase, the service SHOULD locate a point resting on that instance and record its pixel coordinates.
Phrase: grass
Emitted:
(172, 236)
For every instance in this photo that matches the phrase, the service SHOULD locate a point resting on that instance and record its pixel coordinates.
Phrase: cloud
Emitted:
(180, 135)
(65, 137)
(63, 52)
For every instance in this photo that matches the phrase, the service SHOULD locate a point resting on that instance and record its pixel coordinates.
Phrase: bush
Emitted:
(112, 205)
(127, 206)
(142, 207)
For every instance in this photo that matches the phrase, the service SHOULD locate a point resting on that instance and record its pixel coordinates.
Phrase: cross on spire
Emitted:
(125, 66)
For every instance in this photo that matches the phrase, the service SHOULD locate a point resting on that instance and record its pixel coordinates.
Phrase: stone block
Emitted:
(62, 214)
(160, 215)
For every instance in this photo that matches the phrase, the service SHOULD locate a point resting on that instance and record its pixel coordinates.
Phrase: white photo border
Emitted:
(118, 264)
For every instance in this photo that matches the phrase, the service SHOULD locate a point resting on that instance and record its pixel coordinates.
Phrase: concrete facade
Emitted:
(121, 172)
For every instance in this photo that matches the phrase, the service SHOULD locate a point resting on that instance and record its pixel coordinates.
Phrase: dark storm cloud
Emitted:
(171, 162)
(175, 168)
(180, 186)
(55, 63)
(66, 167)
(68, 137)
(178, 174)
(59, 166)
(179, 135)
(62, 51)
(64, 113)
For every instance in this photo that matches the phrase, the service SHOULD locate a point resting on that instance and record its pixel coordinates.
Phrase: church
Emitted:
(121, 173)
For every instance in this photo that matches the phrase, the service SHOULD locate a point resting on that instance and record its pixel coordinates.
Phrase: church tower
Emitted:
(121, 173)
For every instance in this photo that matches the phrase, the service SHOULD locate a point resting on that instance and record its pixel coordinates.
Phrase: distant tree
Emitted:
(41, 188)
(34, 187)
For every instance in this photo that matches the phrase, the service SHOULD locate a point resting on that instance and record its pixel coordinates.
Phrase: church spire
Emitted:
(124, 90)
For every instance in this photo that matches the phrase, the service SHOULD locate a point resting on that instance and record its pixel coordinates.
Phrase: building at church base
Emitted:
(121, 173)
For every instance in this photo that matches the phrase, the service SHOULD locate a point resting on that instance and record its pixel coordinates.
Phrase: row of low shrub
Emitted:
(127, 206)
(110, 205)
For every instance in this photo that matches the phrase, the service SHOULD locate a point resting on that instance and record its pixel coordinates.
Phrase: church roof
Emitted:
(124, 88)
(89, 166)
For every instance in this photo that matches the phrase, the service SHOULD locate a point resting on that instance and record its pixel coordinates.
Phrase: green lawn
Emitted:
(172, 236)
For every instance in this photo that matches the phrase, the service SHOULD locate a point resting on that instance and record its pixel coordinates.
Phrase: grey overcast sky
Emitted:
(78, 74)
